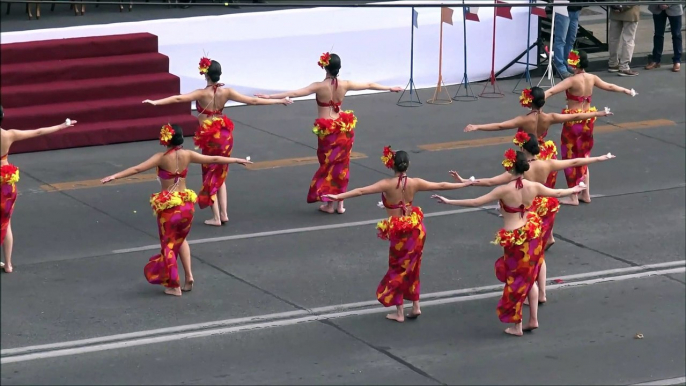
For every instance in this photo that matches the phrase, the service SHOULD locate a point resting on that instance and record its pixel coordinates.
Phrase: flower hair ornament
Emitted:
(166, 134)
(526, 98)
(324, 60)
(574, 58)
(204, 65)
(521, 138)
(510, 158)
(388, 157)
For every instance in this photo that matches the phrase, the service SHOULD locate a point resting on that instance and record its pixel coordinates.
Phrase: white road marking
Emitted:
(664, 382)
(23, 354)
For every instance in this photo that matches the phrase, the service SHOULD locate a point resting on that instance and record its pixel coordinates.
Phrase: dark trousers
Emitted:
(660, 22)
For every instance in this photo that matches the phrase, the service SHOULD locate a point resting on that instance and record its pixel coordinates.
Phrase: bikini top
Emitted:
(580, 99)
(206, 111)
(4, 157)
(336, 106)
(167, 175)
(521, 209)
(401, 205)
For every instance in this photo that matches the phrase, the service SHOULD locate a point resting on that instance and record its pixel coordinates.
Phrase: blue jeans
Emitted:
(564, 38)
(660, 22)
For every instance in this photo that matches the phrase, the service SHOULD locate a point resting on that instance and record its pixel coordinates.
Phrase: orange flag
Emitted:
(447, 15)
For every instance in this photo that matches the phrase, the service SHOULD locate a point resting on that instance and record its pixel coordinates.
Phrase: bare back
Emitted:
(537, 124)
(399, 191)
(5, 144)
(173, 162)
(538, 171)
(329, 95)
(512, 197)
(582, 86)
(211, 99)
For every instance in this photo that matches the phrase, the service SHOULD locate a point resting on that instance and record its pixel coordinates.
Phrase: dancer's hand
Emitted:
(263, 96)
(630, 92)
(470, 127)
(108, 179)
(606, 157)
(243, 162)
(287, 101)
(579, 188)
(396, 89)
(457, 177)
(333, 197)
(148, 101)
(68, 123)
(440, 199)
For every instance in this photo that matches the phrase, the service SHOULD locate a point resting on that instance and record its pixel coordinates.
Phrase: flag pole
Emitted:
(549, 68)
(492, 81)
(465, 79)
(435, 99)
(412, 102)
(526, 73)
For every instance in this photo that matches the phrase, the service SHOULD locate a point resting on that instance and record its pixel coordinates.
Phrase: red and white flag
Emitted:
(538, 11)
(472, 13)
(505, 12)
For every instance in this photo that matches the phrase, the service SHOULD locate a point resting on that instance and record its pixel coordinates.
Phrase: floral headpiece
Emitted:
(388, 157)
(574, 58)
(324, 60)
(521, 138)
(204, 65)
(166, 134)
(510, 158)
(526, 98)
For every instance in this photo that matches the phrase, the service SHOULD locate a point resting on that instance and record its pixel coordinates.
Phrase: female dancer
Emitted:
(537, 124)
(174, 207)
(334, 130)
(214, 136)
(9, 176)
(546, 208)
(405, 230)
(577, 135)
(520, 238)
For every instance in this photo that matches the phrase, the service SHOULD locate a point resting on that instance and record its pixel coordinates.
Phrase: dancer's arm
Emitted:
(558, 88)
(507, 125)
(562, 118)
(542, 190)
(305, 91)
(371, 189)
(190, 97)
(198, 158)
(146, 165)
(238, 97)
(359, 86)
(493, 195)
(20, 135)
(556, 165)
(423, 185)
(603, 85)
(501, 179)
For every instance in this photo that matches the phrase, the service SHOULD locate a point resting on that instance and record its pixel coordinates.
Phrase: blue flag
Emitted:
(414, 18)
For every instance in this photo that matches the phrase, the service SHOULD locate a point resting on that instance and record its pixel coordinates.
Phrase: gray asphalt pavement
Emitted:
(297, 305)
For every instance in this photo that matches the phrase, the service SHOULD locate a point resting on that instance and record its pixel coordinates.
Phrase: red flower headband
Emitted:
(574, 58)
(204, 65)
(324, 60)
(510, 158)
(521, 138)
(526, 98)
(166, 134)
(388, 157)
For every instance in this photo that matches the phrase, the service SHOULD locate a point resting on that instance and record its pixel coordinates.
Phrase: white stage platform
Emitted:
(268, 52)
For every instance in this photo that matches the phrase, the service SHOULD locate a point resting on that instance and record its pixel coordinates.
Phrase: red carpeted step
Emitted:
(88, 47)
(103, 133)
(90, 112)
(90, 68)
(89, 89)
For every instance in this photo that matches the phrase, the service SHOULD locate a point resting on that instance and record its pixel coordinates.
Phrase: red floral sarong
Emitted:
(577, 142)
(214, 137)
(9, 176)
(546, 208)
(334, 146)
(518, 267)
(407, 235)
(174, 212)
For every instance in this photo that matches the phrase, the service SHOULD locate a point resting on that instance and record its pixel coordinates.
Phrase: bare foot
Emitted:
(188, 285)
(414, 314)
(326, 208)
(396, 317)
(549, 244)
(541, 298)
(531, 326)
(569, 201)
(585, 198)
(8, 268)
(173, 291)
(514, 331)
(213, 222)
(340, 209)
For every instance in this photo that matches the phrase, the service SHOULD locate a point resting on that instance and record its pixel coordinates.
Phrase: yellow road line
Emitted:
(502, 140)
(147, 177)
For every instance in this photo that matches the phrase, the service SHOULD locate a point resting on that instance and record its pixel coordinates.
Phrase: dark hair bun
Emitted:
(334, 65)
(583, 60)
(177, 138)
(538, 96)
(401, 161)
(521, 164)
(532, 145)
(214, 72)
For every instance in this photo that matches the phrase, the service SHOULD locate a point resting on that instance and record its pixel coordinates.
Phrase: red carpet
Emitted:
(98, 81)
